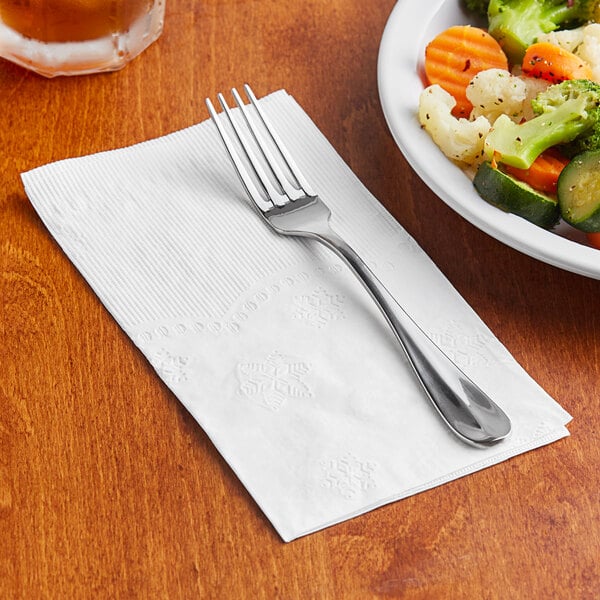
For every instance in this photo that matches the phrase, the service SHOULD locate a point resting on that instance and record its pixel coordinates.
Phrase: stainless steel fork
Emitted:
(295, 209)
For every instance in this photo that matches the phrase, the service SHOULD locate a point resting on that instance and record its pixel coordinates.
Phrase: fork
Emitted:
(285, 199)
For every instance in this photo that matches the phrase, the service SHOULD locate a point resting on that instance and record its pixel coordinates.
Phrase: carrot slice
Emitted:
(543, 174)
(456, 55)
(544, 60)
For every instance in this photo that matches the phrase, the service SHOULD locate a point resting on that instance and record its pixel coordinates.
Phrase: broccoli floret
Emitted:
(588, 141)
(564, 112)
(517, 24)
(479, 7)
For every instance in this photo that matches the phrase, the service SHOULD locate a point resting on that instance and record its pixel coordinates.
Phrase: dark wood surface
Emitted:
(109, 489)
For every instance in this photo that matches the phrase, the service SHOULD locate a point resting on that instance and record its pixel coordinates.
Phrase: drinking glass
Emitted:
(75, 37)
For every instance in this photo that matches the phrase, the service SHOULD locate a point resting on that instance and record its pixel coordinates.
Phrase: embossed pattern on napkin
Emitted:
(270, 342)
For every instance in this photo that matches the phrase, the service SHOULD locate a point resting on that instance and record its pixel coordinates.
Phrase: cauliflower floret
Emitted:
(589, 49)
(567, 39)
(460, 140)
(533, 86)
(495, 92)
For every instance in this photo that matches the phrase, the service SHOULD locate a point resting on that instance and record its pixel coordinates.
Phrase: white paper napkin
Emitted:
(270, 342)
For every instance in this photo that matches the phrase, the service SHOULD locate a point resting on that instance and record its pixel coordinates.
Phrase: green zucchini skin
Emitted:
(578, 191)
(514, 196)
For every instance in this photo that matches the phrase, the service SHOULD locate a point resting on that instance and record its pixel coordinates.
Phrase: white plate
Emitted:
(412, 24)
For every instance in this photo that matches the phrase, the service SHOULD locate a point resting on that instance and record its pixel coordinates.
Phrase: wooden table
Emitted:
(109, 489)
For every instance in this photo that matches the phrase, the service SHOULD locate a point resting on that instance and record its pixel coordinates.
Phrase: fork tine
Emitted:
(273, 194)
(290, 162)
(292, 192)
(247, 181)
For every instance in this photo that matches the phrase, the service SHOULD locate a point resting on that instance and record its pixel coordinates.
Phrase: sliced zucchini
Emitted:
(514, 196)
(579, 191)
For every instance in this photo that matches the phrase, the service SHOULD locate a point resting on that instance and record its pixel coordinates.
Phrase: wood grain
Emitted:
(109, 489)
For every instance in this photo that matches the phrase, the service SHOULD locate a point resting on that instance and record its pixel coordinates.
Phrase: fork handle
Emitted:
(468, 411)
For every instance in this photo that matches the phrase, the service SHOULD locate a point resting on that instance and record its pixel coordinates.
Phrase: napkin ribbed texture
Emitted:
(270, 342)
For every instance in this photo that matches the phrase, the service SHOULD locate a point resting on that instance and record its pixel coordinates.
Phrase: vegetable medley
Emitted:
(517, 105)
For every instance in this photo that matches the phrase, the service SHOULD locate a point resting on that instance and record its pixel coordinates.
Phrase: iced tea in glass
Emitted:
(73, 37)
